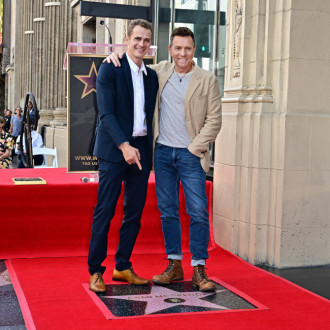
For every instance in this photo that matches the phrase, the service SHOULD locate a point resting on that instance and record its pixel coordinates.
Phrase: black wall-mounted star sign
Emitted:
(89, 81)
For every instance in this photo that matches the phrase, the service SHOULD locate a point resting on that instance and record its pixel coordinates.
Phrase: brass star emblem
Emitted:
(89, 81)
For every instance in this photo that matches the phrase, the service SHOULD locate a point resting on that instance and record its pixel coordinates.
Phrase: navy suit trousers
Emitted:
(111, 176)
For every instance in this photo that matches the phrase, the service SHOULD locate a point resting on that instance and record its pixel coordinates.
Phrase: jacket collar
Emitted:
(194, 81)
(134, 67)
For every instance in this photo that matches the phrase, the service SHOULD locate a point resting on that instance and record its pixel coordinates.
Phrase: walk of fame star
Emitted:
(181, 297)
(161, 298)
(89, 81)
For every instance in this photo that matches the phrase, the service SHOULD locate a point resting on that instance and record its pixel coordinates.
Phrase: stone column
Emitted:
(60, 113)
(303, 210)
(57, 33)
(14, 54)
(50, 55)
(37, 52)
(23, 63)
(242, 164)
(270, 203)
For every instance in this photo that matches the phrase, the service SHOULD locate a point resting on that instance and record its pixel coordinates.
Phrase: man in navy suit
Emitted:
(126, 99)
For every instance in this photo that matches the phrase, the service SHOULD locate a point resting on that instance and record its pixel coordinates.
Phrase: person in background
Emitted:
(7, 117)
(36, 143)
(34, 115)
(16, 125)
(6, 145)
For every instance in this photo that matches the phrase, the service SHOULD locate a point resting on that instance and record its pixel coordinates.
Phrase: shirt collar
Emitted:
(134, 67)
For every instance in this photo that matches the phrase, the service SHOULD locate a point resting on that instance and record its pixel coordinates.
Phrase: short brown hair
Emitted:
(138, 22)
(182, 32)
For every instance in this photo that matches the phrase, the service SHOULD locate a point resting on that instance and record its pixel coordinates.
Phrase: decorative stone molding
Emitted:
(5, 59)
(60, 117)
(74, 3)
(46, 116)
(39, 19)
(9, 68)
(237, 39)
(50, 4)
(248, 95)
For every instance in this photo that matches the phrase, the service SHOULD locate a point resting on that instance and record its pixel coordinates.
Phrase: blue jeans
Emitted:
(173, 165)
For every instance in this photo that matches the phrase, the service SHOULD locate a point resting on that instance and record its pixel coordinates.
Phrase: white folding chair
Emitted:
(45, 152)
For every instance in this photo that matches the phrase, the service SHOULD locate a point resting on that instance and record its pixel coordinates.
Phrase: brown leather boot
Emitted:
(201, 280)
(173, 272)
(96, 283)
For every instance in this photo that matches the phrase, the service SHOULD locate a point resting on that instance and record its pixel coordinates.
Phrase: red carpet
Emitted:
(51, 226)
(57, 300)
(55, 219)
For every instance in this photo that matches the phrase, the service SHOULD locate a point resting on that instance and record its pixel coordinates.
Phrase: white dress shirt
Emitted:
(140, 124)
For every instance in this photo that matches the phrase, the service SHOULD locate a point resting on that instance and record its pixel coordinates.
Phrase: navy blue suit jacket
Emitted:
(115, 100)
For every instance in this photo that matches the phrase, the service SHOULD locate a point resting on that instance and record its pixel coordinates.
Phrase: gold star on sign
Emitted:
(89, 81)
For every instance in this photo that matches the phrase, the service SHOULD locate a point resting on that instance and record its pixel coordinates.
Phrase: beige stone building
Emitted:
(272, 178)
(272, 58)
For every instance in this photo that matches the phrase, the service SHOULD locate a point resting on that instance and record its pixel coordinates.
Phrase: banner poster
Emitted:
(82, 110)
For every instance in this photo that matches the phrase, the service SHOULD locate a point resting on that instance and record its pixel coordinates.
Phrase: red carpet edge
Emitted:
(21, 297)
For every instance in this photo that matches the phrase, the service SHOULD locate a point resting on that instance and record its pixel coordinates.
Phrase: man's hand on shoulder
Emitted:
(131, 154)
(114, 58)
